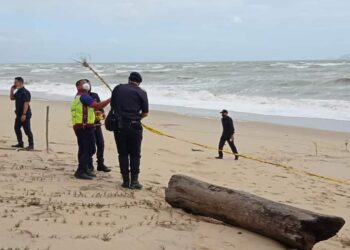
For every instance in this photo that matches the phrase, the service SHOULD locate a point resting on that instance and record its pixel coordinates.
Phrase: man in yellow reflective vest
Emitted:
(83, 118)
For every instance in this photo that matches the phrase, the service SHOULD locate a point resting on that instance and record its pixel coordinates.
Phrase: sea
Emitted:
(313, 94)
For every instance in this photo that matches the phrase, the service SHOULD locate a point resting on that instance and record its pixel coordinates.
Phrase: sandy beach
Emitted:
(42, 206)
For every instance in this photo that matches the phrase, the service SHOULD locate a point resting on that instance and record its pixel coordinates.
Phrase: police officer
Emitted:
(227, 135)
(23, 112)
(100, 144)
(130, 104)
(83, 118)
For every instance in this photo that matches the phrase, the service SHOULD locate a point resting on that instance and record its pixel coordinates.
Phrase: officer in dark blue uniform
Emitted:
(228, 131)
(100, 143)
(130, 104)
(23, 112)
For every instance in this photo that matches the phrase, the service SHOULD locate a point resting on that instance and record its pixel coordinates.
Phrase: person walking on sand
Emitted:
(83, 118)
(227, 135)
(100, 143)
(130, 104)
(22, 98)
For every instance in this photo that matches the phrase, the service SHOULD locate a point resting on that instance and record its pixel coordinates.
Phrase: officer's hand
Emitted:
(232, 138)
(23, 118)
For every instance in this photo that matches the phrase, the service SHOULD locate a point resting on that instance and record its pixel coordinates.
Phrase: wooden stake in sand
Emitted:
(294, 227)
(47, 128)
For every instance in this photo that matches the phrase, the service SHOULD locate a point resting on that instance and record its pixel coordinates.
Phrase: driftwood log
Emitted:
(293, 227)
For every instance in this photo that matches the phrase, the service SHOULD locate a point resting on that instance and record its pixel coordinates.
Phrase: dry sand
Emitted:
(42, 206)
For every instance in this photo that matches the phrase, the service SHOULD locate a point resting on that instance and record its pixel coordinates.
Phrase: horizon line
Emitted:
(171, 62)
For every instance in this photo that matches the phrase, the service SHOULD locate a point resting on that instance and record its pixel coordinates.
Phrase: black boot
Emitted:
(221, 155)
(82, 176)
(18, 145)
(126, 181)
(102, 167)
(135, 184)
(30, 147)
(90, 171)
(236, 157)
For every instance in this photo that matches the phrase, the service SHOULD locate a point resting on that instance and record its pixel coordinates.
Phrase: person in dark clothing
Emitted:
(99, 140)
(130, 104)
(23, 113)
(83, 118)
(227, 135)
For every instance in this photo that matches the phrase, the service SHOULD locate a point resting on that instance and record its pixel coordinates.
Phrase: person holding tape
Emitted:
(227, 135)
(130, 105)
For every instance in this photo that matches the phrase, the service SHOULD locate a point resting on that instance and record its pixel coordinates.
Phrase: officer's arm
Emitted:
(230, 125)
(145, 106)
(25, 108)
(26, 100)
(100, 105)
(143, 115)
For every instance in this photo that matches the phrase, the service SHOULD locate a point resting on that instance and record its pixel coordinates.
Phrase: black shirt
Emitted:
(129, 101)
(22, 95)
(96, 97)
(227, 126)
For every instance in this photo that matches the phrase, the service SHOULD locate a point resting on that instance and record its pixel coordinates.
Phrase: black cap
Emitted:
(224, 111)
(135, 77)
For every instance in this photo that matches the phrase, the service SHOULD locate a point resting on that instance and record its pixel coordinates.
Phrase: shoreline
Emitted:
(301, 122)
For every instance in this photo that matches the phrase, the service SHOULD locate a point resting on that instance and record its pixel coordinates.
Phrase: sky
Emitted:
(173, 31)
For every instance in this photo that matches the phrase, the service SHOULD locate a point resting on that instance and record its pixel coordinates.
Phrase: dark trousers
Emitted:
(27, 130)
(100, 144)
(128, 140)
(86, 144)
(222, 142)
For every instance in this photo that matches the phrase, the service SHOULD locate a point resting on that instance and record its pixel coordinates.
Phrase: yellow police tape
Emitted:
(286, 167)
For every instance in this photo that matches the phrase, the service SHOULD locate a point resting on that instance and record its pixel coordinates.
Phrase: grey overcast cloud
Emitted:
(166, 31)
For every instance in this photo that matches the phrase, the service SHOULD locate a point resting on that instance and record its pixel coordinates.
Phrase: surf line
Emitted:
(249, 157)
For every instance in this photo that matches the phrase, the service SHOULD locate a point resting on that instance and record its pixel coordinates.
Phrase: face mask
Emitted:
(86, 86)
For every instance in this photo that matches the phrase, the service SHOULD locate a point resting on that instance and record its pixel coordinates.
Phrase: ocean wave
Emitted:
(294, 88)
(311, 108)
(333, 64)
(345, 81)
(8, 67)
(67, 68)
(203, 99)
(185, 77)
(289, 65)
(155, 70)
(43, 70)
(305, 65)
(293, 66)
(118, 71)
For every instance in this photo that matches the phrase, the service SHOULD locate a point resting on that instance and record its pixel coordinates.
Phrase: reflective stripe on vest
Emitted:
(81, 114)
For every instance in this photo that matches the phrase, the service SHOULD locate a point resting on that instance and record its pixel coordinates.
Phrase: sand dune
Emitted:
(42, 206)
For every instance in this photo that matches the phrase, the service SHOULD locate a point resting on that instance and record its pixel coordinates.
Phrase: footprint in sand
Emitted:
(91, 187)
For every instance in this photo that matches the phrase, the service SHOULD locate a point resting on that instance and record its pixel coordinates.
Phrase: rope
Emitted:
(249, 157)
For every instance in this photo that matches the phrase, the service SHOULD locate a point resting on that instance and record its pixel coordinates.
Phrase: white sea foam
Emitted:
(298, 89)
(310, 108)
(43, 70)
